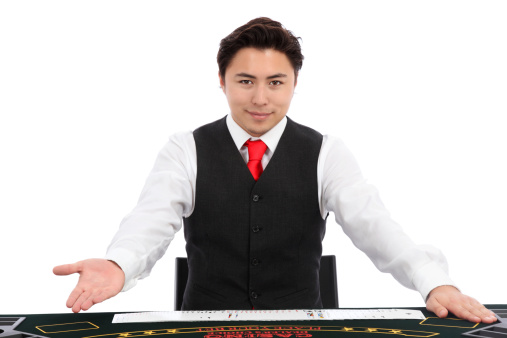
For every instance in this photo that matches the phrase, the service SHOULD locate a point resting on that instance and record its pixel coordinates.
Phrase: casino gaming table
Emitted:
(99, 325)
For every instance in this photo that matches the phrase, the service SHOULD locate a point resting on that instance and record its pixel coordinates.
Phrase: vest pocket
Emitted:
(291, 296)
(208, 292)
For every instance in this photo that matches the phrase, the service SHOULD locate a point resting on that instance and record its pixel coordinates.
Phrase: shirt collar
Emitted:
(240, 136)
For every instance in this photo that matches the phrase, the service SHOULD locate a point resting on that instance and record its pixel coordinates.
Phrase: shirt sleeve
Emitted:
(365, 220)
(167, 196)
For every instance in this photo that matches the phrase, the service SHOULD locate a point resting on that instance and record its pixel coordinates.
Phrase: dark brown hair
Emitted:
(261, 33)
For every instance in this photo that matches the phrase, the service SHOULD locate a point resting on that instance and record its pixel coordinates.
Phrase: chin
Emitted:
(258, 132)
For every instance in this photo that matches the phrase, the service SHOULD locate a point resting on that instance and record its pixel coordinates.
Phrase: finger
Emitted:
(66, 269)
(488, 319)
(79, 301)
(87, 304)
(441, 312)
(99, 298)
(466, 314)
(481, 312)
(92, 300)
(470, 309)
(437, 308)
(488, 316)
(74, 296)
(466, 308)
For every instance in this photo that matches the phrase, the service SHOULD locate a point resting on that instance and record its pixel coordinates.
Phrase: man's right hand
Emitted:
(99, 279)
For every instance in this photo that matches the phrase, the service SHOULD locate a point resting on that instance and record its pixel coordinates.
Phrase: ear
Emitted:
(222, 82)
(296, 80)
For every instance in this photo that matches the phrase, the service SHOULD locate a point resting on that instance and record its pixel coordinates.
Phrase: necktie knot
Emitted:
(256, 150)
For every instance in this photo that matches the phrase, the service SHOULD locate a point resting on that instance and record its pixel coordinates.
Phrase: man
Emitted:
(254, 190)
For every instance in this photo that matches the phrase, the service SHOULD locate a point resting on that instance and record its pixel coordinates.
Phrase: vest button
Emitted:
(254, 295)
(255, 198)
(256, 229)
(255, 262)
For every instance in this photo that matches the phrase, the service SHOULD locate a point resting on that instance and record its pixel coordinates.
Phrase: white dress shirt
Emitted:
(169, 194)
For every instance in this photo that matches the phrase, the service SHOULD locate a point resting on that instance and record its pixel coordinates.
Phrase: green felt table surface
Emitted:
(88, 325)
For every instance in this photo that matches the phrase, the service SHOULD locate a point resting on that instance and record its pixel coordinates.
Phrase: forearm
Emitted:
(167, 196)
(139, 244)
(364, 218)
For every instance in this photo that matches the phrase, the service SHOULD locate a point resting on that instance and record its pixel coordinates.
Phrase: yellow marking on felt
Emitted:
(245, 328)
(469, 324)
(60, 329)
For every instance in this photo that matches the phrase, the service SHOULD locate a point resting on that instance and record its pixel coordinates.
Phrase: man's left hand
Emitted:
(444, 299)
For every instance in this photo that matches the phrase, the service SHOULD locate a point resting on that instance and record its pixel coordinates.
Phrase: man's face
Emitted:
(259, 85)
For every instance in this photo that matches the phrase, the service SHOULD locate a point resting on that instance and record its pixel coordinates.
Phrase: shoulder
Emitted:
(334, 143)
(303, 130)
(211, 128)
(337, 160)
(181, 140)
(335, 148)
(180, 147)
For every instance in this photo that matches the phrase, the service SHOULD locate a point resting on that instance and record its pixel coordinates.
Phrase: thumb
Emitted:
(437, 308)
(66, 269)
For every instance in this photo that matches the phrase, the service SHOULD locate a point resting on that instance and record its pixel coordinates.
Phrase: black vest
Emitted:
(254, 243)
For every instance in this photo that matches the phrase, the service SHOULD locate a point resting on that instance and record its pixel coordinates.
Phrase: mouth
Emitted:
(258, 115)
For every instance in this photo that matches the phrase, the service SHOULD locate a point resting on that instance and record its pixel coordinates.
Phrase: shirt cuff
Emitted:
(124, 259)
(429, 277)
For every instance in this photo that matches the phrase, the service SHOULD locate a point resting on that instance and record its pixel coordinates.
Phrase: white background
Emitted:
(91, 90)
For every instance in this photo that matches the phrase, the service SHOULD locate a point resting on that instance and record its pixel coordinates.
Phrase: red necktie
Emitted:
(256, 150)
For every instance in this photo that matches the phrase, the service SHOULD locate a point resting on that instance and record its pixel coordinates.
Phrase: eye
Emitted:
(245, 81)
(275, 83)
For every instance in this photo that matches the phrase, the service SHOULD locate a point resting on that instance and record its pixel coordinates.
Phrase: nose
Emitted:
(260, 96)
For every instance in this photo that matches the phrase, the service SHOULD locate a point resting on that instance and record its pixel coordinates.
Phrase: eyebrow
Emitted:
(274, 76)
